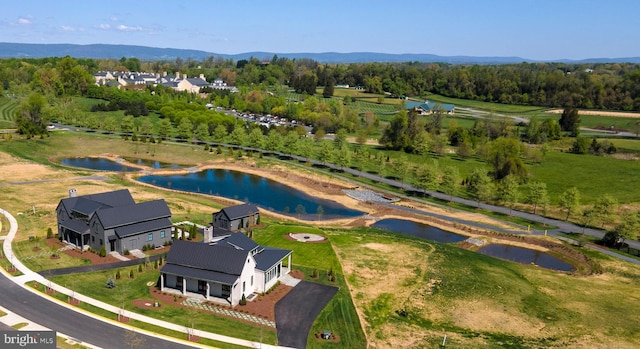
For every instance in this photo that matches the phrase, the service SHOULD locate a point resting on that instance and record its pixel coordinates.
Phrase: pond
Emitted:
(152, 163)
(98, 164)
(265, 193)
(525, 256)
(418, 230)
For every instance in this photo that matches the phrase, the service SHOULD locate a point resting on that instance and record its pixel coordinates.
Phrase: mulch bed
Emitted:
(262, 306)
(76, 253)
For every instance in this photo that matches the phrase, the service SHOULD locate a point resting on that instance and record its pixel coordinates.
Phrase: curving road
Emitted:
(72, 323)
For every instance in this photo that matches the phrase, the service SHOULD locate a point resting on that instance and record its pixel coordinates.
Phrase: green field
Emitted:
(7, 112)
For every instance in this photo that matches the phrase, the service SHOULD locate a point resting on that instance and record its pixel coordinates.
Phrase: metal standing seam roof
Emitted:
(239, 240)
(269, 257)
(223, 259)
(143, 227)
(239, 211)
(87, 207)
(76, 225)
(199, 274)
(125, 215)
(120, 197)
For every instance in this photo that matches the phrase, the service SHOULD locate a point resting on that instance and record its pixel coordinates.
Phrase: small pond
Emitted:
(525, 256)
(416, 229)
(98, 164)
(152, 163)
(265, 193)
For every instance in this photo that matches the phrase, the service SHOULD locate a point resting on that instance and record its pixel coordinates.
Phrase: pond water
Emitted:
(525, 256)
(265, 193)
(98, 164)
(152, 163)
(418, 230)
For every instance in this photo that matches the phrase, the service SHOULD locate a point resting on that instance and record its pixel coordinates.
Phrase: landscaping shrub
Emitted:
(126, 252)
(139, 268)
(103, 251)
(118, 276)
(243, 300)
(131, 274)
(49, 233)
(110, 283)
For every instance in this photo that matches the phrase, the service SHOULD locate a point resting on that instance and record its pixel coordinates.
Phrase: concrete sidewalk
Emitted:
(29, 275)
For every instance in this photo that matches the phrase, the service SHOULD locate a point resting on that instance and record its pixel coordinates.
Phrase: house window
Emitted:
(251, 280)
(93, 239)
(162, 234)
(244, 287)
(150, 237)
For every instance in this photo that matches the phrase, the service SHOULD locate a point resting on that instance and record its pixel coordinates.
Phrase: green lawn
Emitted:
(340, 314)
(36, 255)
(7, 112)
(487, 106)
(93, 284)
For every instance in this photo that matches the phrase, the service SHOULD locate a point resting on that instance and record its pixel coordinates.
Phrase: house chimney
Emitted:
(207, 234)
(202, 77)
(177, 75)
(164, 74)
(73, 192)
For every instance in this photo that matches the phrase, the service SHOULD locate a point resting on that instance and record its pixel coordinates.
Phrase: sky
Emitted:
(531, 29)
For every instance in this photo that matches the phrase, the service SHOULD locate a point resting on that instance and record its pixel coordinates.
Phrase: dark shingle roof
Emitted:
(222, 259)
(269, 257)
(143, 227)
(239, 211)
(197, 82)
(123, 215)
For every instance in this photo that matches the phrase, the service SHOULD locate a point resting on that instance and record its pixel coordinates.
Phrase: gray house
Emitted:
(114, 220)
(237, 217)
(225, 266)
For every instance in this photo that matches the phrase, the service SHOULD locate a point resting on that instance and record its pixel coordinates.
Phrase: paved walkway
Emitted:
(29, 275)
(195, 303)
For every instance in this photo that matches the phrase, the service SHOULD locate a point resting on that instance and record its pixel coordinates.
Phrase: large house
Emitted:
(427, 107)
(113, 220)
(226, 265)
(237, 217)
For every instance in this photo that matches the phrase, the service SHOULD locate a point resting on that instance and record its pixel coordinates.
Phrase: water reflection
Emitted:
(418, 230)
(263, 192)
(525, 256)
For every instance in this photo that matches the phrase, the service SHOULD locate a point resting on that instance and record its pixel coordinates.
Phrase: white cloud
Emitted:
(103, 26)
(24, 21)
(126, 28)
(114, 19)
(67, 28)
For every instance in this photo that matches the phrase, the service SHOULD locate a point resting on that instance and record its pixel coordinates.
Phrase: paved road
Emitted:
(58, 318)
(295, 313)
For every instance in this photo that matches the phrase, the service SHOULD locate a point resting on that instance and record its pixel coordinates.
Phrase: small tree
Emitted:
(139, 268)
(118, 276)
(49, 233)
(131, 274)
(243, 300)
(103, 251)
(110, 283)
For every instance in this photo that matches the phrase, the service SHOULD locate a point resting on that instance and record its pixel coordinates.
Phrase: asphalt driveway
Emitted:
(296, 312)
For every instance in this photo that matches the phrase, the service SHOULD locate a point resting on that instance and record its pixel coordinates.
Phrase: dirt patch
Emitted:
(599, 112)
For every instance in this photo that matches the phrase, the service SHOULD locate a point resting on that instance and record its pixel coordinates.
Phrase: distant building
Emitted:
(427, 107)
(236, 217)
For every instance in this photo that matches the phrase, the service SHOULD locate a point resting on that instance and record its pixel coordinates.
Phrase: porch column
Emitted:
(161, 282)
(289, 264)
(208, 289)
(184, 286)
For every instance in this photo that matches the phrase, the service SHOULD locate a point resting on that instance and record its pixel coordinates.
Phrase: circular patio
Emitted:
(306, 237)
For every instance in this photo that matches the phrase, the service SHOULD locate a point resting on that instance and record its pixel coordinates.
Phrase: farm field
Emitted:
(7, 110)
(478, 301)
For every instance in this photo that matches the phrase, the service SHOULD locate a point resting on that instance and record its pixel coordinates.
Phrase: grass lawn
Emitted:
(487, 106)
(36, 255)
(480, 301)
(340, 314)
(126, 290)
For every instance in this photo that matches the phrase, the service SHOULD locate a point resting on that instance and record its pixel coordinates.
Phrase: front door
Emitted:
(179, 281)
(202, 287)
(112, 245)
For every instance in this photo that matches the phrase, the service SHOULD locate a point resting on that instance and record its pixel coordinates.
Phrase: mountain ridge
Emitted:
(104, 51)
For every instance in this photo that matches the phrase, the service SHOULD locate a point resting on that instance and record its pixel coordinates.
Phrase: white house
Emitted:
(226, 266)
